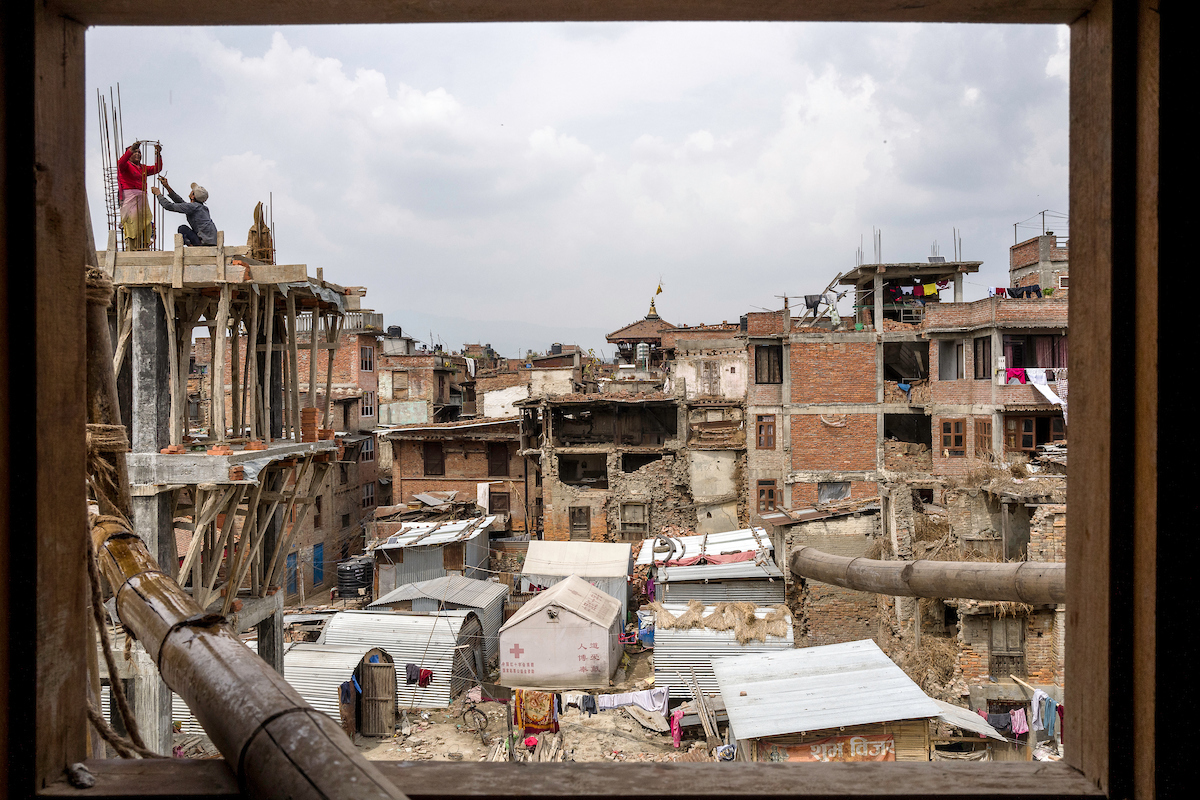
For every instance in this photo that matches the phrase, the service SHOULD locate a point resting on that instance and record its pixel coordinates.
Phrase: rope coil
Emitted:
(99, 291)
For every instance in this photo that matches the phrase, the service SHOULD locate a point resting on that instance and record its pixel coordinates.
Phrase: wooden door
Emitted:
(378, 699)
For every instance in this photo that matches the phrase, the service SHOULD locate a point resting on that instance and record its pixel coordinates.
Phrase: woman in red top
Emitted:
(136, 214)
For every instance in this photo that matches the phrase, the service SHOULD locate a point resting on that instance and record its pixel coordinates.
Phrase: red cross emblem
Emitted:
(516, 650)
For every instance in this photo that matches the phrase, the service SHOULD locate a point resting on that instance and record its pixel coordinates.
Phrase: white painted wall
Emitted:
(499, 402)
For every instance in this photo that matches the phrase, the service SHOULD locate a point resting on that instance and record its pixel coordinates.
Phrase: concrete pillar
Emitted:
(149, 431)
(877, 287)
(958, 287)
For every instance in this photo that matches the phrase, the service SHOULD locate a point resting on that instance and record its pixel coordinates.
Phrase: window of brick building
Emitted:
(366, 356)
(435, 458)
(768, 363)
(498, 503)
(833, 491)
(1026, 433)
(766, 431)
(368, 450)
(581, 522)
(366, 406)
(317, 512)
(951, 359)
(345, 523)
(368, 494)
(399, 384)
(954, 437)
(766, 496)
(983, 358)
(497, 455)
(318, 565)
(1006, 655)
(635, 519)
(983, 438)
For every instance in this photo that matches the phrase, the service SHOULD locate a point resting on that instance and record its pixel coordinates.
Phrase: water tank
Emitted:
(394, 331)
(354, 574)
(643, 356)
(556, 349)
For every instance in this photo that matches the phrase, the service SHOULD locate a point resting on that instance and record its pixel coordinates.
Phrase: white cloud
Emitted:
(554, 172)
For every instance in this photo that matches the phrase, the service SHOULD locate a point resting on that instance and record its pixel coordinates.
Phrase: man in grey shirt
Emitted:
(200, 228)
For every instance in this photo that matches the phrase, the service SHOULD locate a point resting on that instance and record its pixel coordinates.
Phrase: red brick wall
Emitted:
(817, 446)
(804, 495)
(1050, 312)
(763, 394)
(504, 380)
(767, 323)
(1023, 254)
(463, 473)
(833, 372)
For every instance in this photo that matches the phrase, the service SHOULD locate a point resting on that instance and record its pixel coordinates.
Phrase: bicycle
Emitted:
(473, 717)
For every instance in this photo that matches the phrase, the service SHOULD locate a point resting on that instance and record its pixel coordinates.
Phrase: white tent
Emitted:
(566, 637)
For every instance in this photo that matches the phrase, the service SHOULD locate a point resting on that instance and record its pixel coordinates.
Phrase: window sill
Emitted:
(600, 781)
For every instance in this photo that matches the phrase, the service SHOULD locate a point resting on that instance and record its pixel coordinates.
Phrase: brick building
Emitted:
(419, 385)
(477, 458)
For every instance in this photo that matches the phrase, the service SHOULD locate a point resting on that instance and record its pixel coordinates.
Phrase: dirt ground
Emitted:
(441, 735)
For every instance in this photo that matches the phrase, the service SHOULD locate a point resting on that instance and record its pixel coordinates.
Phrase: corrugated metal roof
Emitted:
(967, 719)
(449, 589)
(425, 640)
(585, 559)
(816, 688)
(577, 596)
(713, 543)
(687, 651)
(723, 572)
(421, 534)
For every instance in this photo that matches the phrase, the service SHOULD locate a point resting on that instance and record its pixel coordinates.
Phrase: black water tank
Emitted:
(394, 331)
(354, 574)
(556, 349)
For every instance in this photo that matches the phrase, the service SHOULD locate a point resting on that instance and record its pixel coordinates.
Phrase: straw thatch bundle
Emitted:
(738, 617)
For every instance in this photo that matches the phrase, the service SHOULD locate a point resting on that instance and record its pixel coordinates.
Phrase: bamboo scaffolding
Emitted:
(277, 745)
(1035, 583)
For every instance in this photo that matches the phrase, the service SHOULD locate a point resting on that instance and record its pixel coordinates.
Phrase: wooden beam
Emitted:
(177, 263)
(332, 332)
(314, 330)
(268, 321)
(217, 368)
(294, 365)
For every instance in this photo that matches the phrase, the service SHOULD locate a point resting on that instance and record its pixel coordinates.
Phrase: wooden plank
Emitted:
(217, 368)
(235, 373)
(114, 12)
(52, 463)
(314, 333)
(219, 258)
(252, 367)
(332, 332)
(200, 275)
(177, 263)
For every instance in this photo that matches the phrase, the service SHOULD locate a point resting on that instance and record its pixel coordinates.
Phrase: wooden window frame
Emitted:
(764, 429)
(1119, 656)
(368, 494)
(768, 358)
(367, 451)
(768, 502)
(366, 358)
(493, 447)
(983, 438)
(433, 467)
(366, 406)
(949, 448)
(981, 358)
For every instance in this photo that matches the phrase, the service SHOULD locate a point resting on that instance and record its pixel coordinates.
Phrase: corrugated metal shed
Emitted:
(817, 688)
(429, 641)
(416, 552)
(605, 565)
(454, 592)
(678, 651)
(738, 581)
(317, 670)
(738, 541)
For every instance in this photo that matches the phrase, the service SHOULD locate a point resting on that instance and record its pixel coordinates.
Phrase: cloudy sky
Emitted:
(524, 184)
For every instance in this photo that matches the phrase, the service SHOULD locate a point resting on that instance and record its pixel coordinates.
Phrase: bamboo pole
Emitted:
(276, 744)
(1035, 583)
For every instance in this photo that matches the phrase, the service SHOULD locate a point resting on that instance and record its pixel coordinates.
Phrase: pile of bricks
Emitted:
(255, 444)
(308, 424)
(237, 473)
(220, 450)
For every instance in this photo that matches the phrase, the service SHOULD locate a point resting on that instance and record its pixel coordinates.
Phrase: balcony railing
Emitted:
(351, 321)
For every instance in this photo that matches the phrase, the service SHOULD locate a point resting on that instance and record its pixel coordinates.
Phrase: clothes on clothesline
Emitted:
(424, 677)
(1019, 723)
(676, 728)
(534, 711)
(650, 699)
(1036, 707)
(1037, 376)
(1001, 722)
(812, 301)
(1020, 292)
(1062, 729)
(931, 290)
(1014, 373)
(412, 673)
